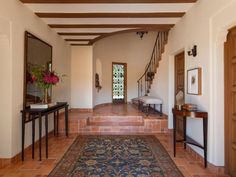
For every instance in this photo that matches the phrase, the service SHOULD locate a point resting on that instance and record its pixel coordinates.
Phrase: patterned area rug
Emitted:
(116, 156)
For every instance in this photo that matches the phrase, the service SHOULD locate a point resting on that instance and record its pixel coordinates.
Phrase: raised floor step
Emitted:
(115, 121)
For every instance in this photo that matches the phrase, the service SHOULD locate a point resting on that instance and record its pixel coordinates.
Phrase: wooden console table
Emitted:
(30, 115)
(186, 140)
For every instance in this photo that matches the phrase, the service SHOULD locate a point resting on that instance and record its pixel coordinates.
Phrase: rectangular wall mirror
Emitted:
(37, 54)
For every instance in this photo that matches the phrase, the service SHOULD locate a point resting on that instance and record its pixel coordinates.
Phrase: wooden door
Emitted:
(230, 103)
(119, 82)
(179, 85)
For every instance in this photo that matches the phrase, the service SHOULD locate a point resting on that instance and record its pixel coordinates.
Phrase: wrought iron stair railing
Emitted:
(145, 81)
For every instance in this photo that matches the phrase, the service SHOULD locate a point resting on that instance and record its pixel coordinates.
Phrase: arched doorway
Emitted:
(230, 103)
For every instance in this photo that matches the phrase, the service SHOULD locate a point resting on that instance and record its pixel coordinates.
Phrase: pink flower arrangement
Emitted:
(50, 78)
(44, 78)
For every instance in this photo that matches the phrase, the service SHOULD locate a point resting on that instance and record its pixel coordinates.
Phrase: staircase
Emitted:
(146, 80)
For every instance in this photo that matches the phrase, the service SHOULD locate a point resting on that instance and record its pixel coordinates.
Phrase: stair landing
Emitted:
(115, 119)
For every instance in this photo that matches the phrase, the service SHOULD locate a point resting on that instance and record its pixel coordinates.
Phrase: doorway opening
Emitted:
(119, 82)
(179, 87)
(230, 103)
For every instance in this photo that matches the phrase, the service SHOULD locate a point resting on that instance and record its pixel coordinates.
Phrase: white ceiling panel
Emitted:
(110, 8)
(111, 20)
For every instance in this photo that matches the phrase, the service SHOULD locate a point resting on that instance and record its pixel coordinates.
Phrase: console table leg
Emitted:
(46, 131)
(185, 136)
(33, 135)
(54, 123)
(40, 137)
(205, 127)
(57, 124)
(66, 120)
(174, 134)
(23, 136)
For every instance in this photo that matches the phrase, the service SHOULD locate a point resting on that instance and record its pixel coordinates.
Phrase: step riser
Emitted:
(147, 126)
(115, 123)
(116, 118)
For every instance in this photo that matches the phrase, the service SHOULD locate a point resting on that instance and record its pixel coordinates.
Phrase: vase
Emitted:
(45, 96)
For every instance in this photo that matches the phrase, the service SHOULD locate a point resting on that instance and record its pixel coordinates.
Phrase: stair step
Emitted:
(115, 121)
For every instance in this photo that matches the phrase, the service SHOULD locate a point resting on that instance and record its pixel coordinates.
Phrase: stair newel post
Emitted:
(153, 61)
(156, 56)
(141, 88)
(146, 84)
(138, 90)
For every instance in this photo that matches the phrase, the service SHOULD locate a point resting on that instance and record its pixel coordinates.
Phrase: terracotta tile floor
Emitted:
(58, 146)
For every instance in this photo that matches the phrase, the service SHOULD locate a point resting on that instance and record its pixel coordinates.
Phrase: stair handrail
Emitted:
(160, 41)
(151, 57)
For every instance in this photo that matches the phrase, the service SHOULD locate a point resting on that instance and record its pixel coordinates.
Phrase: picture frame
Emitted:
(194, 81)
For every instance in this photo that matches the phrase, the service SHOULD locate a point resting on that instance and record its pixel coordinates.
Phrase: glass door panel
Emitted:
(119, 83)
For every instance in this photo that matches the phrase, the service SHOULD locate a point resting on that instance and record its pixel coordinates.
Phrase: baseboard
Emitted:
(214, 169)
(219, 170)
(17, 158)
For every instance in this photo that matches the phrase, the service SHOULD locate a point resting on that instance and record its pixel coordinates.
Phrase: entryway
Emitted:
(119, 82)
(179, 85)
(230, 103)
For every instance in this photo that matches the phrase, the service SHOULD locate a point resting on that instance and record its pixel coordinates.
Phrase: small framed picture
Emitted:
(194, 77)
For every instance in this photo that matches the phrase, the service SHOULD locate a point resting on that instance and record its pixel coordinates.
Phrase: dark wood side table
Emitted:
(187, 140)
(30, 115)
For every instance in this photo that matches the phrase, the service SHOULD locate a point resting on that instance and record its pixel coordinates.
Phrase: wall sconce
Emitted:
(193, 51)
(97, 82)
(141, 33)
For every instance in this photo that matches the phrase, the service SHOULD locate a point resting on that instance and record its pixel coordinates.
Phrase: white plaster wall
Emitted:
(125, 48)
(5, 89)
(20, 19)
(206, 26)
(81, 77)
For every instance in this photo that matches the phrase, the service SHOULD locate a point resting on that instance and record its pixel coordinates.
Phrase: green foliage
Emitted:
(38, 74)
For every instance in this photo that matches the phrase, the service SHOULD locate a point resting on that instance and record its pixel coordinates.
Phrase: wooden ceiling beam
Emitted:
(81, 40)
(145, 26)
(80, 44)
(108, 1)
(112, 15)
(80, 34)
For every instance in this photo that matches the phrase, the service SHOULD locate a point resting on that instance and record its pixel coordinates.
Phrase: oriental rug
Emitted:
(116, 156)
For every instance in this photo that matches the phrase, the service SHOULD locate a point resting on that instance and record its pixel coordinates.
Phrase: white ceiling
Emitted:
(125, 8)
(105, 8)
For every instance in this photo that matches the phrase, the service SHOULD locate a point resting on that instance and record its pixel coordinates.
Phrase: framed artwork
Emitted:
(194, 77)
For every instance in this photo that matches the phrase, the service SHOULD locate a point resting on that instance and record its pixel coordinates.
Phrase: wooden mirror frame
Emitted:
(26, 62)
